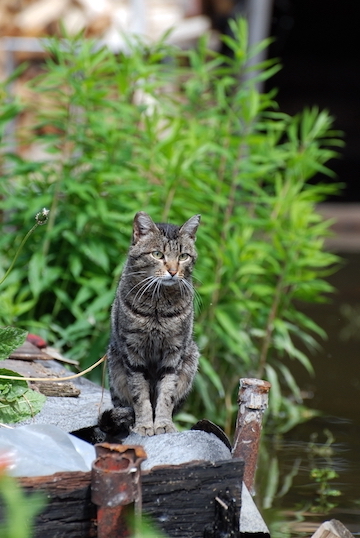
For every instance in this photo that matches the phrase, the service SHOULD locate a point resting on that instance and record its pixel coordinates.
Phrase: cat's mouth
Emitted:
(169, 280)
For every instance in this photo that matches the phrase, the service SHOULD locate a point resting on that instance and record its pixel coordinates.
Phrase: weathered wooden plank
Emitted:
(179, 499)
(69, 511)
(182, 499)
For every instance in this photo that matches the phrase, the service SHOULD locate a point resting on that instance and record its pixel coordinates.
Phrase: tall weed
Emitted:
(174, 133)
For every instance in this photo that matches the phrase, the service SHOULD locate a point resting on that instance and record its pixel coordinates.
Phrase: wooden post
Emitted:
(252, 401)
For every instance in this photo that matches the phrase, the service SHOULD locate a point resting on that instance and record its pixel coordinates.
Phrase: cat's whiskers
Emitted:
(146, 287)
(197, 278)
(181, 287)
(156, 291)
(194, 293)
(125, 275)
(138, 284)
(187, 286)
(197, 299)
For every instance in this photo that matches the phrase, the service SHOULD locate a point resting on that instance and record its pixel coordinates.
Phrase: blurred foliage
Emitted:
(172, 133)
(322, 478)
(351, 318)
(18, 509)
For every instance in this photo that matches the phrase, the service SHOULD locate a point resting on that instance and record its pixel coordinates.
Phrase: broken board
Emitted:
(180, 500)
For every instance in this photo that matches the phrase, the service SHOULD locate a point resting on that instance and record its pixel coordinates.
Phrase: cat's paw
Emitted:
(144, 429)
(164, 426)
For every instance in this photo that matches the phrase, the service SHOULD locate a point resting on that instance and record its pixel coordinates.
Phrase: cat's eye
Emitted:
(157, 255)
(184, 256)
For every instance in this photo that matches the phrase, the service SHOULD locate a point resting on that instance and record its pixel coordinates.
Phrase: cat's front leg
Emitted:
(173, 388)
(144, 424)
(165, 402)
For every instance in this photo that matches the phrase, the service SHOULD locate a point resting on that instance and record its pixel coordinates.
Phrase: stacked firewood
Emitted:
(24, 22)
(106, 20)
(35, 18)
(99, 18)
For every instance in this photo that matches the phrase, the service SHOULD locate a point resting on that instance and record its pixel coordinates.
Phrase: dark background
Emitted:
(318, 44)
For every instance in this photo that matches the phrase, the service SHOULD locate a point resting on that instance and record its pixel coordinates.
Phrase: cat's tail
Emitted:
(116, 422)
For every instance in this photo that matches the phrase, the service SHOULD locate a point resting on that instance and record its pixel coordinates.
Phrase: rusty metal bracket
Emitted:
(253, 401)
(116, 487)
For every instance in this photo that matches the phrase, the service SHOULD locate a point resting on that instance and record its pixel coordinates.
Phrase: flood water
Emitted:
(286, 493)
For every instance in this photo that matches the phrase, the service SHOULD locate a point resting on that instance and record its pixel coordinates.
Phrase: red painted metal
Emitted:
(116, 487)
(253, 401)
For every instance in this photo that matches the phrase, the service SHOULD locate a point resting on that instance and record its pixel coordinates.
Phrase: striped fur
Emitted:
(152, 358)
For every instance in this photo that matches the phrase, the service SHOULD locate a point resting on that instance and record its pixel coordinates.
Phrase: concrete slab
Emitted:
(67, 413)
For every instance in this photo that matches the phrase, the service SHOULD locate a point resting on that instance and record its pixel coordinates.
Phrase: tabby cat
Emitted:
(152, 358)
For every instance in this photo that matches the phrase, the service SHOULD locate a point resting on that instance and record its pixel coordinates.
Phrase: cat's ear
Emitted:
(143, 225)
(190, 226)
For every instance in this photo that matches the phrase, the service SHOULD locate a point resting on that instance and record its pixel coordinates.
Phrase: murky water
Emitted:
(288, 496)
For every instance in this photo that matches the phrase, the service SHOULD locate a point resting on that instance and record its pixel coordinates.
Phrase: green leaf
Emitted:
(207, 368)
(275, 397)
(290, 381)
(10, 339)
(17, 401)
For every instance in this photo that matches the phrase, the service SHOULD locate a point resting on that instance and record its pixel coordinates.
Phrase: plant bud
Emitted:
(42, 217)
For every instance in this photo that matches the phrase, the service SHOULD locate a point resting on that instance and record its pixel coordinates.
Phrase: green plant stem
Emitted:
(225, 227)
(18, 252)
(168, 202)
(54, 204)
(65, 156)
(270, 326)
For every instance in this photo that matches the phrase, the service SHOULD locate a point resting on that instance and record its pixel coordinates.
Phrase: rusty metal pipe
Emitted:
(253, 401)
(116, 487)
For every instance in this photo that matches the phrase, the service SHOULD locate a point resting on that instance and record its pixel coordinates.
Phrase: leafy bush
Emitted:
(174, 133)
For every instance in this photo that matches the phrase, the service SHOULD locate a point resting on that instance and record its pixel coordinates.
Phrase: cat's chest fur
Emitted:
(156, 330)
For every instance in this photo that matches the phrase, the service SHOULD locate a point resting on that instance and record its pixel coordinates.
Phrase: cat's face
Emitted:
(170, 264)
(163, 252)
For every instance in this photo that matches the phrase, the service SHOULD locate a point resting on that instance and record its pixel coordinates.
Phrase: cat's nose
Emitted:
(172, 272)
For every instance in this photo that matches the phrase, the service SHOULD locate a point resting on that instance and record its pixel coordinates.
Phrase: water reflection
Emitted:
(288, 495)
